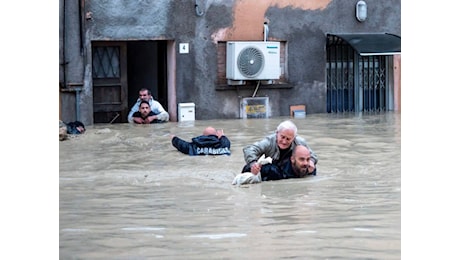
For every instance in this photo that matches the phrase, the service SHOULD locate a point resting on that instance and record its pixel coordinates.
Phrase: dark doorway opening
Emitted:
(147, 68)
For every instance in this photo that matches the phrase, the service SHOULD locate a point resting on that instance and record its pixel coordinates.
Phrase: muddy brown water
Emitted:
(126, 193)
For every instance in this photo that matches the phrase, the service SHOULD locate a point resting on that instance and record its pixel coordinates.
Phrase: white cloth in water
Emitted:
(249, 177)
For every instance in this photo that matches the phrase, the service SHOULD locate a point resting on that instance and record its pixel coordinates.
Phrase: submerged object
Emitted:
(249, 177)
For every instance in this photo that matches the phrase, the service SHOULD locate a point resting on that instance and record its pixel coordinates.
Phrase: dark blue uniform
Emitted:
(203, 145)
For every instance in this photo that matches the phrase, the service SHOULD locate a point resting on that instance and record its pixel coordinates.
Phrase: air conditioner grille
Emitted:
(250, 62)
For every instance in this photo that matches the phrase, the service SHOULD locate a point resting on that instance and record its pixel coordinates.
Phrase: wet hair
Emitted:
(72, 127)
(142, 102)
(288, 124)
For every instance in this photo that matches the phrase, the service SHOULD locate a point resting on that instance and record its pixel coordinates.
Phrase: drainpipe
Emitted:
(76, 88)
(265, 31)
(199, 12)
(77, 102)
(64, 62)
(71, 87)
(81, 8)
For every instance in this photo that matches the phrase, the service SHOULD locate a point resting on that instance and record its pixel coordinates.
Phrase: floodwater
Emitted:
(126, 193)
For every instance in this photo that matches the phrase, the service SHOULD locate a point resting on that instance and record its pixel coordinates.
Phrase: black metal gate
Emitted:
(354, 82)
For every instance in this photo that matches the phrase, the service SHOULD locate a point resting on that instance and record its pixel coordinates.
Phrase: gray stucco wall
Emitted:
(304, 30)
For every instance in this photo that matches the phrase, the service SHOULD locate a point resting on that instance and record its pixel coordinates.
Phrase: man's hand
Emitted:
(138, 120)
(150, 119)
(311, 166)
(255, 168)
(220, 133)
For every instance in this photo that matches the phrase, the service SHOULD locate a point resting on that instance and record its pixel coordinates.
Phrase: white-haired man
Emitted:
(279, 146)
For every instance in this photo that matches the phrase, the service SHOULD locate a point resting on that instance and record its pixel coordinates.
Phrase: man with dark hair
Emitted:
(75, 128)
(160, 114)
(145, 115)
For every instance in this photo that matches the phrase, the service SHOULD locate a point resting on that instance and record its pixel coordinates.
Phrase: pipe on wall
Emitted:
(64, 62)
(198, 10)
(77, 88)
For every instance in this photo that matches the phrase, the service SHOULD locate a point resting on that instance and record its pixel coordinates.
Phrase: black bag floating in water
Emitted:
(75, 128)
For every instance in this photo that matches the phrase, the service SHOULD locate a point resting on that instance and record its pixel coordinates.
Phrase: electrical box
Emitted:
(254, 107)
(186, 112)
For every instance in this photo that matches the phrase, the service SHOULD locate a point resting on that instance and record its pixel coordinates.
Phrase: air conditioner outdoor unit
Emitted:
(253, 60)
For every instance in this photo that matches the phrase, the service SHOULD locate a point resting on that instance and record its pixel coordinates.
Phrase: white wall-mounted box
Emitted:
(186, 112)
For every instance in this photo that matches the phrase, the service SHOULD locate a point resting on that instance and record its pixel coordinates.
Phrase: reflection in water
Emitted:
(126, 193)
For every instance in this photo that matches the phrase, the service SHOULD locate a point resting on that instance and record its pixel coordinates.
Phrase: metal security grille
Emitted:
(372, 82)
(340, 77)
(106, 62)
(354, 82)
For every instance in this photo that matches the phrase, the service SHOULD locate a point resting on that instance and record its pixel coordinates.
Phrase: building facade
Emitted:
(331, 56)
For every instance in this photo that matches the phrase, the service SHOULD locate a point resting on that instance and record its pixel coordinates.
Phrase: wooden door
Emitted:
(110, 87)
